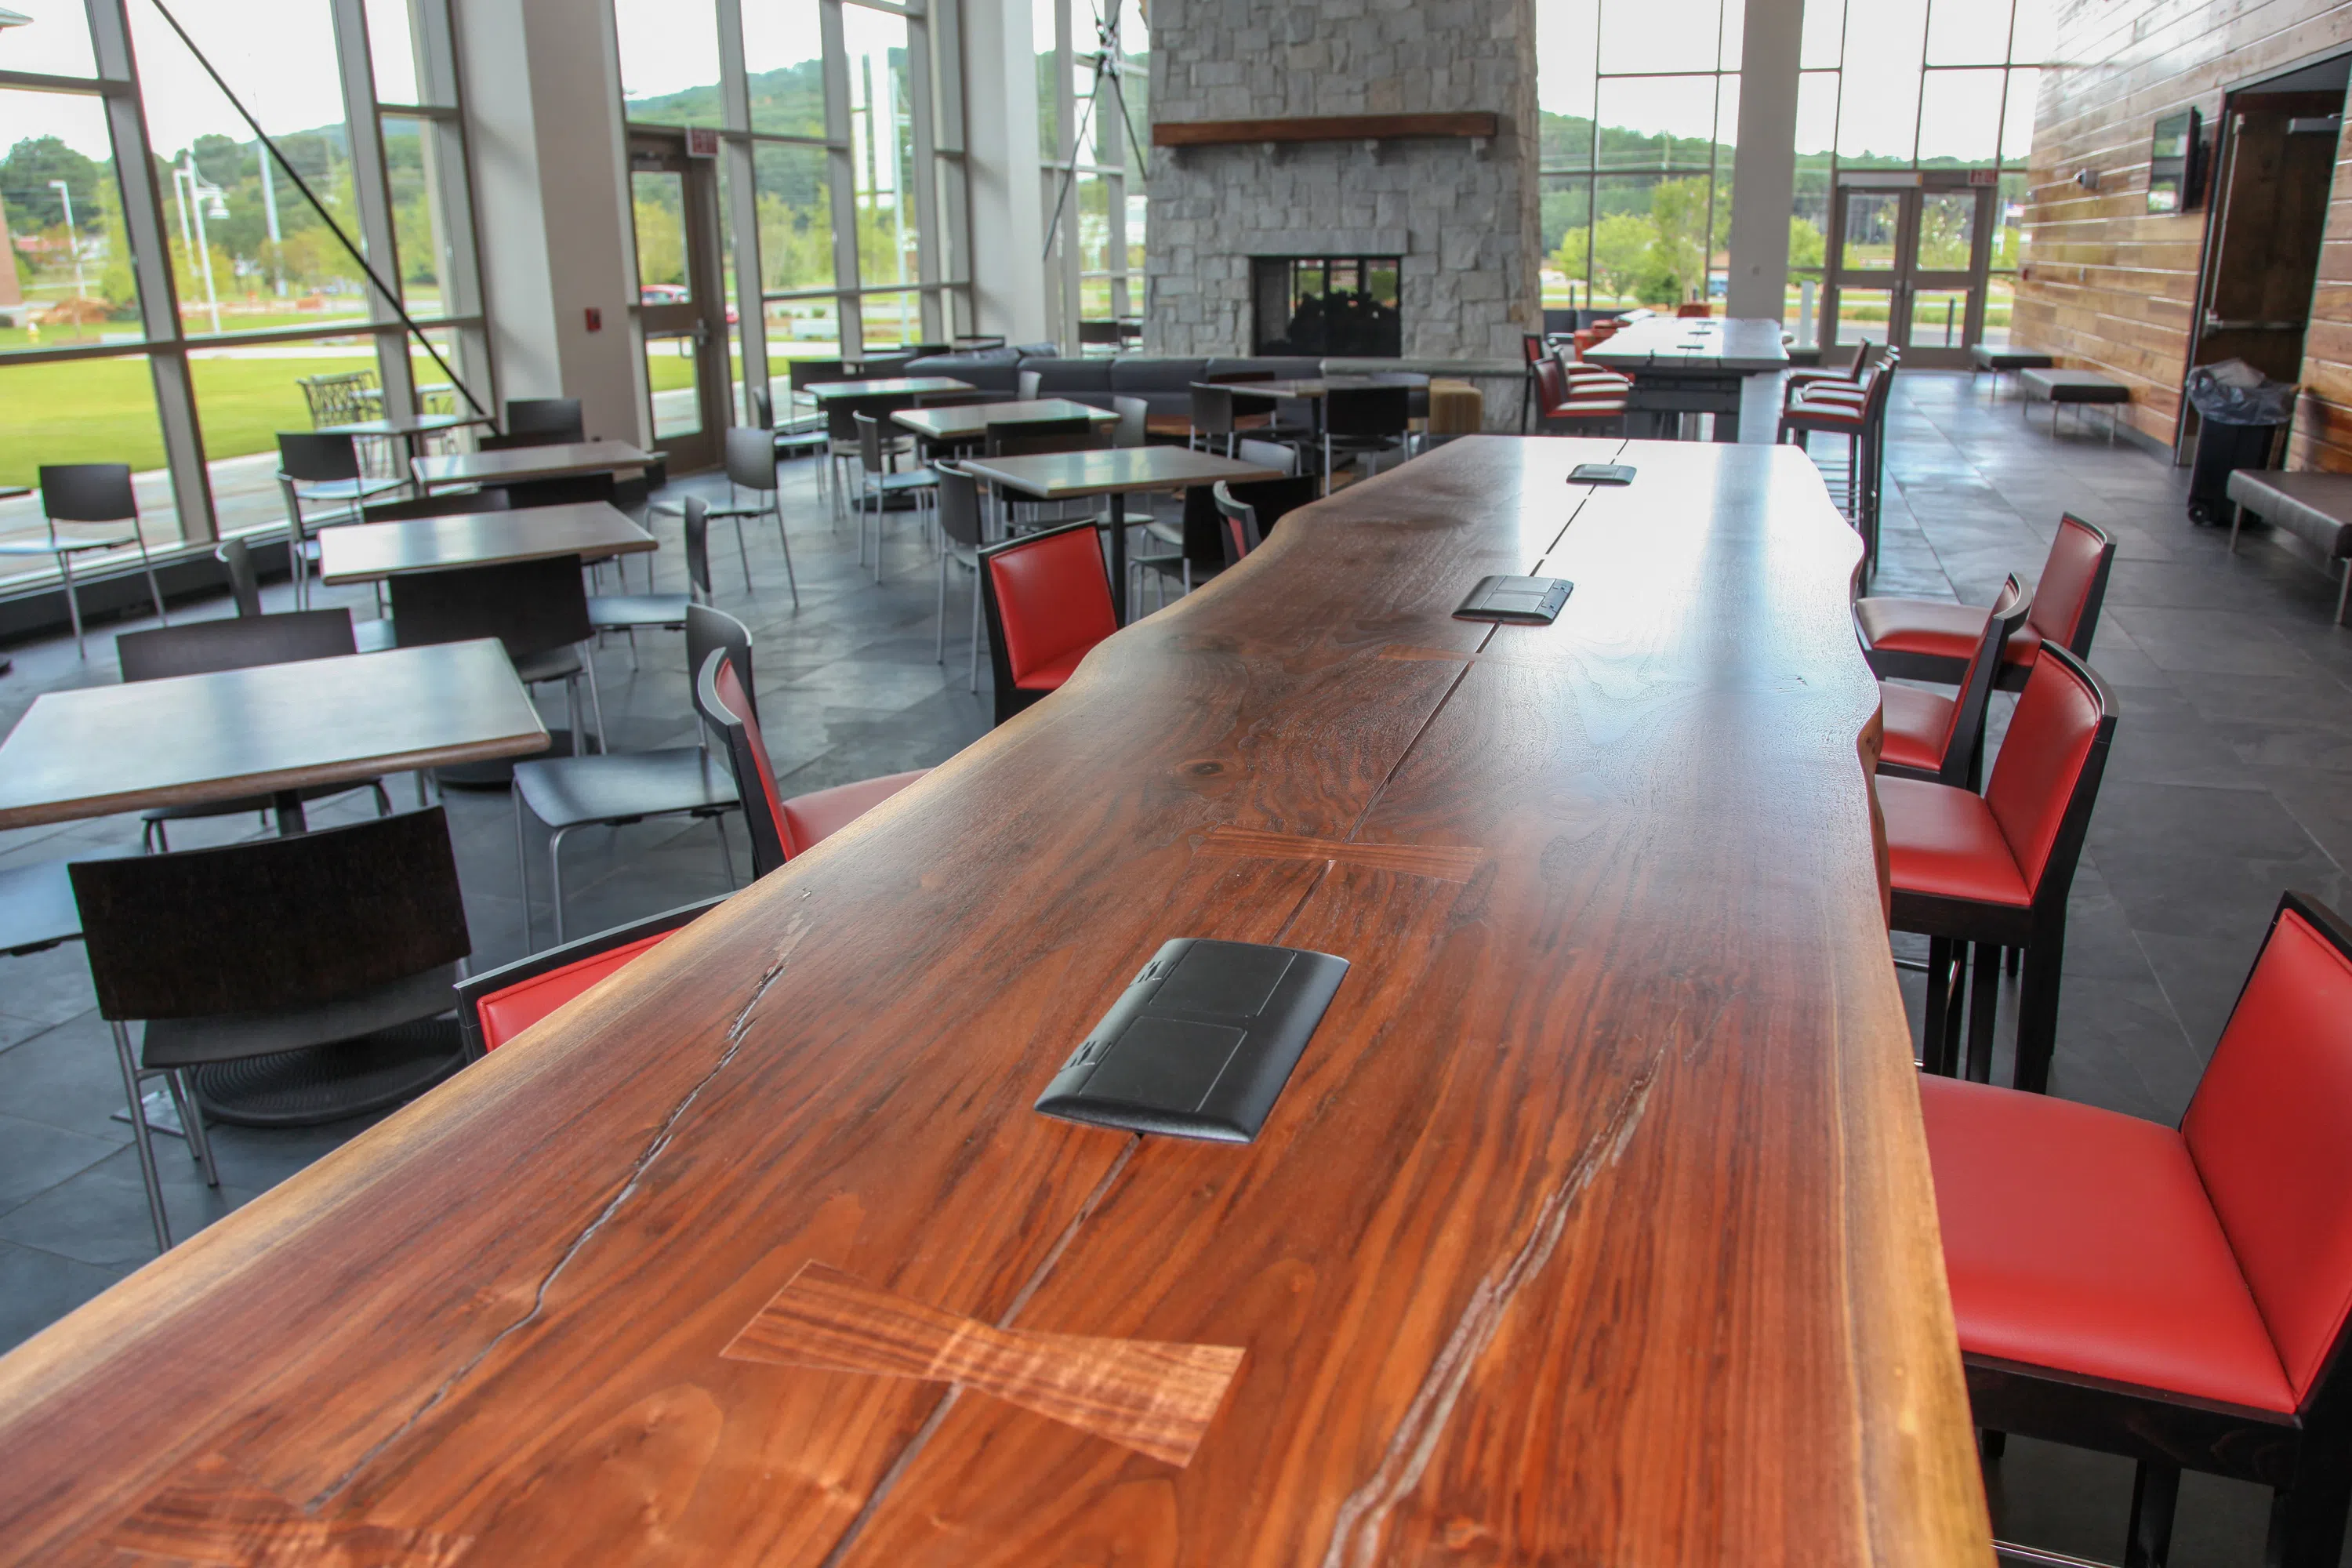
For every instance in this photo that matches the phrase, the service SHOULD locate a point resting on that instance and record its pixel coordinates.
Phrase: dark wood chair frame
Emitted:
(2306, 1458)
(474, 987)
(1963, 762)
(2011, 677)
(1953, 925)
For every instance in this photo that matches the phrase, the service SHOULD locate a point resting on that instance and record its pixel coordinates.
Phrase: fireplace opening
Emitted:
(1343, 306)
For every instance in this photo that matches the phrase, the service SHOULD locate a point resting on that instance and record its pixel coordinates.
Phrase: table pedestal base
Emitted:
(326, 1083)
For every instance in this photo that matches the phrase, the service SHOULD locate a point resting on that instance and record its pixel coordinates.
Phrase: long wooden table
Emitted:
(1594, 1226)
(1690, 365)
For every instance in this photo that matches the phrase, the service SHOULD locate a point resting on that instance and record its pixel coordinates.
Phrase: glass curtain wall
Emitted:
(172, 298)
(1639, 105)
(836, 142)
(1905, 85)
(1094, 81)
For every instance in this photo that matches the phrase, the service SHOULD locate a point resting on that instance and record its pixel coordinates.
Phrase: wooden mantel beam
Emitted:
(1321, 128)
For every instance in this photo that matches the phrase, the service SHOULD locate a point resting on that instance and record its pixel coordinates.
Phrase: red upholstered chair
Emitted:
(1847, 377)
(1938, 738)
(1048, 599)
(2179, 1298)
(496, 1005)
(1925, 639)
(1862, 423)
(1563, 409)
(1694, 308)
(780, 828)
(1993, 870)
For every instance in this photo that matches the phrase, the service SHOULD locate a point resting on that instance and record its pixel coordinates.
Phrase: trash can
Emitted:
(2241, 412)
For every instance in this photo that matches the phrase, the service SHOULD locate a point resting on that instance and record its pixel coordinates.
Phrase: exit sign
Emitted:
(701, 141)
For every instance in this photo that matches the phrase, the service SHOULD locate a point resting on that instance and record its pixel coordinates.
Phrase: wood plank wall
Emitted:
(2106, 285)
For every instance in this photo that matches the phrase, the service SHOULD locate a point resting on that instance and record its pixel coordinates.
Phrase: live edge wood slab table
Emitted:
(1594, 1226)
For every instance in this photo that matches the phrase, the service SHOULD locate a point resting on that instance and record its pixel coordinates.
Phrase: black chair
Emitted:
(618, 788)
(1257, 505)
(841, 438)
(539, 609)
(1221, 412)
(555, 420)
(235, 557)
(798, 439)
(961, 536)
(629, 611)
(495, 1007)
(315, 468)
(241, 642)
(752, 465)
(87, 493)
(1364, 421)
(362, 934)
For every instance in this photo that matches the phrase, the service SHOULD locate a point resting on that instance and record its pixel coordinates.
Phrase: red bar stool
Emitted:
(2179, 1298)
(1048, 599)
(781, 829)
(1862, 422)
(1847, 376)
(1993, 870)
(1924, 639)
(1941, 739)
(497, 1005)
(1586, 410)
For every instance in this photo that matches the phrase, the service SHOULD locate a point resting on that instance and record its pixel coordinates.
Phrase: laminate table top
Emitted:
(1296, 386)
(408, 425)
(969, 421)
(1595, 1225)
(1068, 475)
(513, 465)
(1736, 346)
(365, 551)
(887, 386)
(97, 750)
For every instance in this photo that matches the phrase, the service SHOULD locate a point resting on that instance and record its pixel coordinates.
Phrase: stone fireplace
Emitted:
(1446, 223)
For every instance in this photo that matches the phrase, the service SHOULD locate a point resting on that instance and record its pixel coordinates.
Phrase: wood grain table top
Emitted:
(362, 552)
(97, 750)
(887, 386)
(1738, 346)
(960, 420)
(514, 464)
(1595, 1224)
(1065, 475)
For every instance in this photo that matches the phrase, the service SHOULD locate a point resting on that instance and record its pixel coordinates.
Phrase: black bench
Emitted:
(2076, 386)
(1983, 357)
(2315, 508)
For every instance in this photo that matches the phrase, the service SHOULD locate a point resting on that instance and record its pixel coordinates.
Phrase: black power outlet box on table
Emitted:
(1201, 1042)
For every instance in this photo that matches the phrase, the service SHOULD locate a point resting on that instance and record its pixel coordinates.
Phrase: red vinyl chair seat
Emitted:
(1938, 630)
(509, 1012)
(2081, 1241)
(810, 819)
(1825, 416)
(1944, 842)
(1916, 723)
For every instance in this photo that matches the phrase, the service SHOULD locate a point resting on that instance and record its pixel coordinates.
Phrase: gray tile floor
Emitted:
(2228, 782)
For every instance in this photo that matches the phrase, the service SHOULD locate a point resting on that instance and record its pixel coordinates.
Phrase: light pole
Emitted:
(195, 194)
(73, 237)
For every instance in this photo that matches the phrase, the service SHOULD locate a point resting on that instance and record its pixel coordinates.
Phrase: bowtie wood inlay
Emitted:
(1154, 1397)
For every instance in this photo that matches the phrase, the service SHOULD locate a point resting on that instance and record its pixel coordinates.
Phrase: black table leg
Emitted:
(1118, 558)
(288, 803)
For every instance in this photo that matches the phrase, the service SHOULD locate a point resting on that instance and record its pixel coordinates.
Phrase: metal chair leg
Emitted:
(595, 698)
(790, 581)
(725, 850)
(555, 878)
(142, 1138)
(73, 600)
(191, 1123)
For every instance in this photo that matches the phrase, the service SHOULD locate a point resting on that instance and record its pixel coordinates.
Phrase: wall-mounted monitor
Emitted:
(2176, 163)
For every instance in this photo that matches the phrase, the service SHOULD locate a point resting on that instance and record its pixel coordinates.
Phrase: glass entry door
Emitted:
(681, 298)
(1907, 267)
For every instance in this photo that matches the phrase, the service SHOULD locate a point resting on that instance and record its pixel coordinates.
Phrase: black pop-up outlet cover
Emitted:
(1518, 601)
(1201, 1042)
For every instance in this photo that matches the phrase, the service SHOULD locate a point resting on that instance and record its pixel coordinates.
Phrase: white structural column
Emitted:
(543, 117)
(1765, 192)
(1008, 209)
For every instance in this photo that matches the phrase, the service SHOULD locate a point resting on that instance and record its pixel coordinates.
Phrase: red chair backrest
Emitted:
(1551, 385)
(1054, 595)
(506, 1013)
(2072, 580)
(1531, 348)
(2042, 760)
(728, 708)
(1694, 308)
(2270, 1131)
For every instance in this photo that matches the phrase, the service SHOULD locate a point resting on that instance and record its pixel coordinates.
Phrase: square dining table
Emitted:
(954, 422)
(515, 464)
(370, 551)
(1115, 473)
